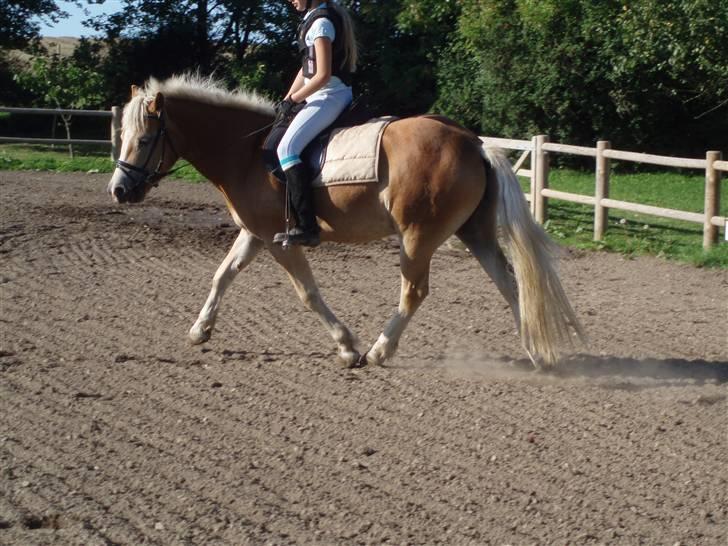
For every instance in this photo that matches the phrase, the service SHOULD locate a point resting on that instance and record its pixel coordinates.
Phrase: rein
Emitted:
(265, 127)
(150, 178)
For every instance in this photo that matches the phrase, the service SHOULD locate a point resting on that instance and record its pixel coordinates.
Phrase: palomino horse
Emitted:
(436, 180)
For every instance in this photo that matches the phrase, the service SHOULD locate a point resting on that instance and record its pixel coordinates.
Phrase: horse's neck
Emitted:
(218, 140)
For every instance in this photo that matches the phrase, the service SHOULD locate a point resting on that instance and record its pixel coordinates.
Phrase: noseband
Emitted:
(150, 178)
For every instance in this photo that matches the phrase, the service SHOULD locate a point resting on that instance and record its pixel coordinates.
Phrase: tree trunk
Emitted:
(242, 48)
(67, 123)
(53, 130)
(202, 32)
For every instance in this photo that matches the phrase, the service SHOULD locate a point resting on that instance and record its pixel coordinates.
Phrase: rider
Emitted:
(322, 88)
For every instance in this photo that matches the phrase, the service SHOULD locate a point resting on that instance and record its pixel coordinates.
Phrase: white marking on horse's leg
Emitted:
(415, 287)
(388, 341)
(244, 249)
(296, 265)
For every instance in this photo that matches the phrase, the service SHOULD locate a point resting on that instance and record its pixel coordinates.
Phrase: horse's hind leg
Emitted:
(493, 261)
(244, 249)
(415, 268)
(294, 262)
(480, 236)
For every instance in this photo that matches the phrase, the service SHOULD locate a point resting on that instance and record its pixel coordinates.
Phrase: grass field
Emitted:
(632, 233)
(94, 159)
(568, 223)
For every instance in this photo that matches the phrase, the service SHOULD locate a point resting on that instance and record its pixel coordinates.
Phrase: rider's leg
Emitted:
(300, 194)
(318, 114)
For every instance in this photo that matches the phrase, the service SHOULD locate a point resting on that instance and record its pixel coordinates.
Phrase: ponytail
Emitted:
(351, 48)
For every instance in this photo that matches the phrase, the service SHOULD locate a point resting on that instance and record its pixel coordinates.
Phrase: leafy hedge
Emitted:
(647, 75)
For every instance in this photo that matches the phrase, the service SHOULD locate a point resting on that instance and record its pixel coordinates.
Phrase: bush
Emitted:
(647, 75)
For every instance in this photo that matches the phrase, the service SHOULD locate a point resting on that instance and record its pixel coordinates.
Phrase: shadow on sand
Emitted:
(660, 370)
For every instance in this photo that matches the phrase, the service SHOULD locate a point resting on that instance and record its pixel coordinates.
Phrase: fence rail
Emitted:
(538, 148)
(114, 114)
(29, 140)
(57, 111)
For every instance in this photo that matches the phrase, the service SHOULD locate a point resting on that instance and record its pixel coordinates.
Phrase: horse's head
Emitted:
(147, 152)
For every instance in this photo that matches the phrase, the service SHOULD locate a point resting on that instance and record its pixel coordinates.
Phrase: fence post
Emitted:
(532, 189)
(601, 190)
(115, 132)
(542, 179)
(712, 199)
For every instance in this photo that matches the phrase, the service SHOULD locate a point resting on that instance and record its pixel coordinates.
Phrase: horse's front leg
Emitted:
(294, 262)
(415, 267)
(244, 249)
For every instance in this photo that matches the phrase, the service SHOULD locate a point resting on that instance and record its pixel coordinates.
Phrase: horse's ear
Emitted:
(134, 91)
(157, 104)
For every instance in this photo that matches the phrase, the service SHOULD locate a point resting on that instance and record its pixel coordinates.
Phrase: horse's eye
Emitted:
(143, 142)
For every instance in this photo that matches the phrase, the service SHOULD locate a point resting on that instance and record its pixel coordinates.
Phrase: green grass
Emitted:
(569, 223)
(22, 157)
(631, 233)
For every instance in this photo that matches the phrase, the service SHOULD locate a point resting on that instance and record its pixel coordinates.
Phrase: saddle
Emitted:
(314, 155)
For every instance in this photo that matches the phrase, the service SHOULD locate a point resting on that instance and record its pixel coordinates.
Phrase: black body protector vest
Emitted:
(308, 54)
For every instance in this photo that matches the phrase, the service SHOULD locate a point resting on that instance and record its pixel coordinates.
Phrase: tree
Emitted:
(670, 71)
(20, 29)
(400, 41)
(62, 83)
(207, 33)
(239, 41)
(645, 74)
(20, 21)
(251, 43)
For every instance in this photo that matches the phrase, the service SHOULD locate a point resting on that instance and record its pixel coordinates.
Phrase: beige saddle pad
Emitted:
(352, 154)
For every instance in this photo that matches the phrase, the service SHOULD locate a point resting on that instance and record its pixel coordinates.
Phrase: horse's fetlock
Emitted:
(343, 336)
(310, 298)
(381, 350)
(349, 359)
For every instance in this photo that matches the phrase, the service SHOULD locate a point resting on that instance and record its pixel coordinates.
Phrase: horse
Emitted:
(436, 179)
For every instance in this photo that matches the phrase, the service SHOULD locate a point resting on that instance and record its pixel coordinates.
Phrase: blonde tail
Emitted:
(547, 317)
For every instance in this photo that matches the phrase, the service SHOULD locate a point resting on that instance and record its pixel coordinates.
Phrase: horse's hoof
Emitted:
(349, 359)
(200, 335)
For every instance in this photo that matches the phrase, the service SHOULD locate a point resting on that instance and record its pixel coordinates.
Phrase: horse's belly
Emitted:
(353, 213)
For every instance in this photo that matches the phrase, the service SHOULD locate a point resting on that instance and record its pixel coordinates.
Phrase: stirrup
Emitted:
(297, 236)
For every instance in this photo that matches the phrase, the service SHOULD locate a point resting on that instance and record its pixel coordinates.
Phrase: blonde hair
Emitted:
(351, 48)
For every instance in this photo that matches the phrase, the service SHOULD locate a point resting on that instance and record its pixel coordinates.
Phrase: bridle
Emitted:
(150, 178)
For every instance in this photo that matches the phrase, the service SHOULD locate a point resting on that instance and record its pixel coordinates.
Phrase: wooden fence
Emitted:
(539, 148)
(114, 114)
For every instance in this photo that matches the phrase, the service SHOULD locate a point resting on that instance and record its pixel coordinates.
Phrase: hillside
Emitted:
(64, 46)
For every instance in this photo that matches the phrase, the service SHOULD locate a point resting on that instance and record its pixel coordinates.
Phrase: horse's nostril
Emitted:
(119, 192)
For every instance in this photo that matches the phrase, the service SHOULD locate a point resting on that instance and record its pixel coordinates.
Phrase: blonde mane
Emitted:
(189, 86)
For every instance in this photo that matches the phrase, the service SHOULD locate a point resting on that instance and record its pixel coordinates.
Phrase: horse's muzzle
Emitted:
(123, 191)
(119, 194)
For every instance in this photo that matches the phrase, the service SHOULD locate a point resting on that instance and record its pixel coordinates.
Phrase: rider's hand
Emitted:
(285, 107)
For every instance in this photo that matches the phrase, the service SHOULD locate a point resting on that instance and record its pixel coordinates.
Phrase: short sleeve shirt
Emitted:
(321, 28)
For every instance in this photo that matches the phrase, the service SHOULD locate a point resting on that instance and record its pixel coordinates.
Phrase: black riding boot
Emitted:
(306, 232)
